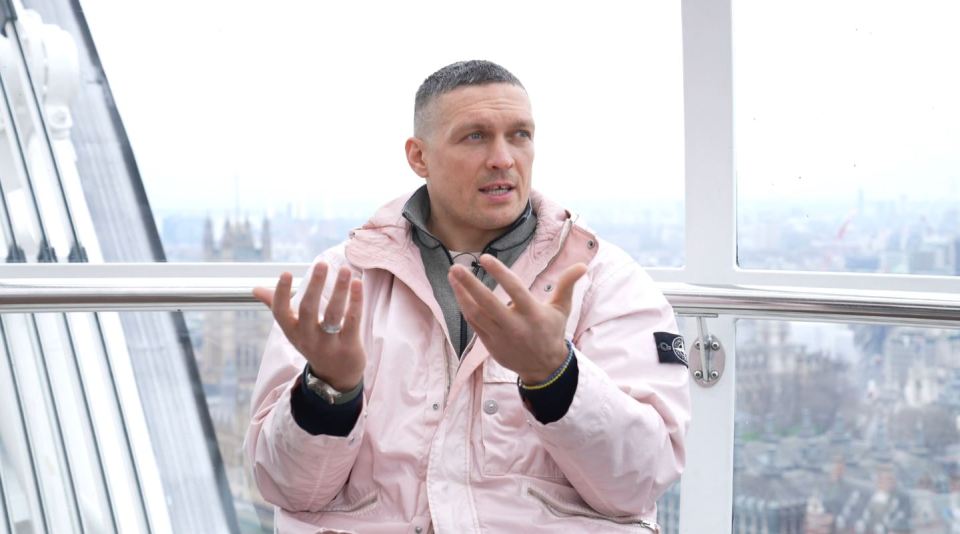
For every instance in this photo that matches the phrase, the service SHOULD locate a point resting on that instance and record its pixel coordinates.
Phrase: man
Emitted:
(471, 359)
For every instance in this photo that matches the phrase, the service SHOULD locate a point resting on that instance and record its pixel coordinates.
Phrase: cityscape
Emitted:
(864, 433)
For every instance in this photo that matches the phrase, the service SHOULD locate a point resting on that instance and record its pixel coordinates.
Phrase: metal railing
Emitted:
(179, 293)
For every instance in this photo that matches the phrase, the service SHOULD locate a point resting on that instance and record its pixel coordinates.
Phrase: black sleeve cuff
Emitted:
(552, 402)
(317, 416)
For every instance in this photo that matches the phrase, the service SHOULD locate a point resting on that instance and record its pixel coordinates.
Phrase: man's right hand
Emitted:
(338, 359)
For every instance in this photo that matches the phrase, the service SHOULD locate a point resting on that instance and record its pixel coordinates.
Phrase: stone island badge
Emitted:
(670, 348)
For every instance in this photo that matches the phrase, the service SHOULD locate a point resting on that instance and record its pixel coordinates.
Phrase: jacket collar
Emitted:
(386, 240)
(417, 212)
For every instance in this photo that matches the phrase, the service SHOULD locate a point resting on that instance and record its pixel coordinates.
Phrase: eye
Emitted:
(475, 136)
(525, 133)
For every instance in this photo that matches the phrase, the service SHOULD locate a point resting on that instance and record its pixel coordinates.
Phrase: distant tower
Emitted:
(237, 242)
(209, 247)
(226, 242)
(956, 255)
(266, 242)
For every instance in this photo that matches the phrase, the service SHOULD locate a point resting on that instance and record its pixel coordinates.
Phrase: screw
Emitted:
(714, 345)
(698, 375)
(714, 375)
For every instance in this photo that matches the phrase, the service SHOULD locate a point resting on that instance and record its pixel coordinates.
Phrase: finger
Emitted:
(563, 296)
(351, 322)
(480, 293)
(281, 303)
(310, 305)
(264, 295)
(338, 300)
(510, 282)
(472, 310)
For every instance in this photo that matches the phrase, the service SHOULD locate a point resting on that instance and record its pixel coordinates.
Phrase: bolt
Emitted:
(714, 375)
(714, 345)
(697, 344)
(698, 375)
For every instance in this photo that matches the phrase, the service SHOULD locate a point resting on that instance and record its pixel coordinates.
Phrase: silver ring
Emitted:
(331, 328)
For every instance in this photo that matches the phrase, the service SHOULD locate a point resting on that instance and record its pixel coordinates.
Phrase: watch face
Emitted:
(328, 393)
(322, 389)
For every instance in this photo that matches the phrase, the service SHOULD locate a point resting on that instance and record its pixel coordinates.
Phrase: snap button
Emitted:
(548, 288)
(490, 407)
(591, 243)
(418, 530)
(436, 406)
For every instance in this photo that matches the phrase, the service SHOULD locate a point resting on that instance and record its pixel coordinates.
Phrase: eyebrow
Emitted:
(471, 126)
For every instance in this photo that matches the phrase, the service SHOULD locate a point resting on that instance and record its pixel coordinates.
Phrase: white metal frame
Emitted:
(706, 503)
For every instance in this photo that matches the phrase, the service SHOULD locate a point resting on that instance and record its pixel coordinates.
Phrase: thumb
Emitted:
(563, 296)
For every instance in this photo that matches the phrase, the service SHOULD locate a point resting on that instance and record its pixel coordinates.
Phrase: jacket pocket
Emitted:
(507, 443)
(569, 508)
(344, 505)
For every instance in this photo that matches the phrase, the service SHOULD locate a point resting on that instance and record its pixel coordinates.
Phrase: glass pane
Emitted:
(105, 428)
(846, 428)
(668, 510)
(266, 131)
(846, 132)
(69, 188)
(227, 346)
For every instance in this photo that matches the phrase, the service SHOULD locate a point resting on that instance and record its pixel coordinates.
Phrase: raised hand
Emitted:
(525, 336)
(335, 353)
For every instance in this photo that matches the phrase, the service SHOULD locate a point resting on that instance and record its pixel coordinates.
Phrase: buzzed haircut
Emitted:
(454, 75)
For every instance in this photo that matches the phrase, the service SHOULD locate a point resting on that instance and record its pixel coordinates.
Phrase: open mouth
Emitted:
(496, 189)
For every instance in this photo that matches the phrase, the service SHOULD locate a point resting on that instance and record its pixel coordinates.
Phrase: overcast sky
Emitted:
(310, 102)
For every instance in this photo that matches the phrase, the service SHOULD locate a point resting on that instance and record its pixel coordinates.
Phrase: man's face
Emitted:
(476, 155)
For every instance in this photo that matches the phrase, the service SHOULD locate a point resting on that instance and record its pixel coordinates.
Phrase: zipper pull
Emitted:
(652, 527)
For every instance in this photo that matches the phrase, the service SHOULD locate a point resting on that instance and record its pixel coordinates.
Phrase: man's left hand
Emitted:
(524, 335)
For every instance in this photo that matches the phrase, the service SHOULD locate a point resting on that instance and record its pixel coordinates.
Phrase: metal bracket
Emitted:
(707, 357)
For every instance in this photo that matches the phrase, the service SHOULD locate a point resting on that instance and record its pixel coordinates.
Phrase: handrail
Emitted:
(175, 293)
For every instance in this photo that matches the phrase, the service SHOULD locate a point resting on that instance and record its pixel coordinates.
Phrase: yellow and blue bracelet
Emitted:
(554, 376)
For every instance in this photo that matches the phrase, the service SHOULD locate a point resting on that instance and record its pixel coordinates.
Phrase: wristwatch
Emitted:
(326, 391)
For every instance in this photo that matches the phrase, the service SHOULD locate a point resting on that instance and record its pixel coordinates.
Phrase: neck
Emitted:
(462, 240)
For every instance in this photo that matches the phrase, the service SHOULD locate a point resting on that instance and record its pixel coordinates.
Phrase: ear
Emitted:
(414, 148)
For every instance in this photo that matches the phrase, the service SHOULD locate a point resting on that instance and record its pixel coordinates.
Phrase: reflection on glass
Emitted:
(846, 429)
(846, 145)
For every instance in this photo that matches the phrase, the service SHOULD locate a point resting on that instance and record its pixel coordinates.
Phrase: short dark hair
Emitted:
(454, 75)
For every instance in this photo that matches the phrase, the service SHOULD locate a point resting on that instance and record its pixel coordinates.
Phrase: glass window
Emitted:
(279, 129)
(846, 129)
(846, 428)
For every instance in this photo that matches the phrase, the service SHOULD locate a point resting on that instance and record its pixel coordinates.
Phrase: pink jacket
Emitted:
(461, 453)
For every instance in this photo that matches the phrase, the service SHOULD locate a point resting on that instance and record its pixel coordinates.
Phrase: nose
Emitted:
(500, 157)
